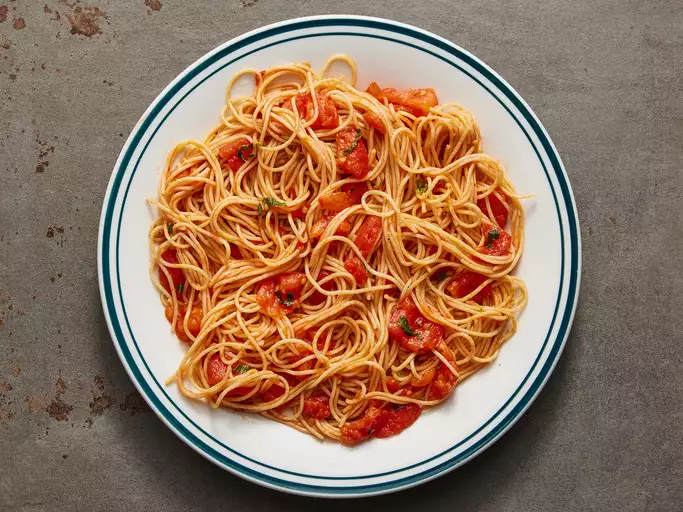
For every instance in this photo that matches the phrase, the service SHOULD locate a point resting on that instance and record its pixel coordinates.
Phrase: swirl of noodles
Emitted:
(338, 300)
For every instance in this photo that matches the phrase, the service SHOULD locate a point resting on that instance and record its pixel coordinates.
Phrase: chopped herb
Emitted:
(355, 143)
(287, 301)
(246, 147)
(267, 203)
(440, 276)
(241, 368)
(491, 237)
(421, 187)
(170, 228)
(180, 287)
(403, 322)
(396, 407)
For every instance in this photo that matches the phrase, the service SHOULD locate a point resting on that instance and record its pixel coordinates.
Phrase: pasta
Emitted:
(336, 260)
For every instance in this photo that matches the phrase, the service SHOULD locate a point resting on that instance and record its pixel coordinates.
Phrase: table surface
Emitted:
(604, 77)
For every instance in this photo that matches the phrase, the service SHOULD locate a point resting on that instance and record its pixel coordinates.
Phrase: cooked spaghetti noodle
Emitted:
(336, 260)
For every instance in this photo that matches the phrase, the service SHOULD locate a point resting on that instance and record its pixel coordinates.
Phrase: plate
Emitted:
(485, 405)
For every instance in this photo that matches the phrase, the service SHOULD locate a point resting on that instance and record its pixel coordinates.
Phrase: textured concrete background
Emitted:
(604, 77)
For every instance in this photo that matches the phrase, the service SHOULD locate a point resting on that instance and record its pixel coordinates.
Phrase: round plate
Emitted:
(485, 405)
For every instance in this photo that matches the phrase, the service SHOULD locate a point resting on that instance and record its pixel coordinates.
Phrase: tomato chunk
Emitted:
(177, 274)
(328, 117)
(317, 406)
(498, 208)
(393, 385)
(466, 282)
(375, 121)
(194, 322)
(416, 101)
(411, 330)
(272, 393)
(352, 153)
(321, 224)
(444, 379)
(398, 418)
(423, 380)
(216, 370)
(236, 153)
(317, 297)
(496, 241)
(279, 295)
(364, 428)
(350, 195)
(355, 267)
(368, 234)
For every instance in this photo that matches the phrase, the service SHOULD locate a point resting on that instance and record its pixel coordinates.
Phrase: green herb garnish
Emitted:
(355, 143)
(287, 301)
(403, 323)
(267, 203)
(180, 287)
(440, 276)
(491, 237)
(246, 147)
(421, 187)
(170, 229)
(241, 368)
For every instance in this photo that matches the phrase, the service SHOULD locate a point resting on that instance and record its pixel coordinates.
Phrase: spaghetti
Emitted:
(336, 260)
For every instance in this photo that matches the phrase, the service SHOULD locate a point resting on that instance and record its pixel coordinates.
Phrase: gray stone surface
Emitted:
(604, 77)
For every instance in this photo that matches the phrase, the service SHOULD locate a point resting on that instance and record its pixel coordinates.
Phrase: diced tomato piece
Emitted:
(411, 330)
(266, 298)
(399, 417)
(423, 380)
(272, 393)
(352, 153)
(375, 121)
(328, 117)
(496, 241)
(215, 370)
(350, 195)
(232, 151)
(317, 406)
(444, 379)
(466, 282)
(393, 385)
(235, 252)
(416, 101)
(498, 207)
(194, 322)
(292, 281)
(300, 212)
(364, 428)
(368, 234)
(279, 295)
(321, 224)
(355, 267)
(177, 274)
(413, 111)
(317, 297)
(376, 91)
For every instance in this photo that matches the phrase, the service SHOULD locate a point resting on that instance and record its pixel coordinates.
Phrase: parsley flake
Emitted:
(355, 143)
(421, 187)
(241, 368)
(403, 323)
(491, 237)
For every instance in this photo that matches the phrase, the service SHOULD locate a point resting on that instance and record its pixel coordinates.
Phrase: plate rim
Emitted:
(565, 319)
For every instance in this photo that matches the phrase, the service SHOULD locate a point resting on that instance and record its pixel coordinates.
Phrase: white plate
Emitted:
(481, 409)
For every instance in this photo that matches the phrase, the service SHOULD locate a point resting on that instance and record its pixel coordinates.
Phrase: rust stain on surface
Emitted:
(154, 5)
(34, 405)
(99, 382)
(3, 13)
(101, 403)
(18, 23)
(16, 371)
(58, 409)
(133, 403)
(249, 3)
(5, 387)
(5, 42)
(85, 21)
(54, 229)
